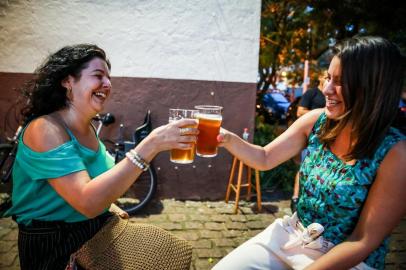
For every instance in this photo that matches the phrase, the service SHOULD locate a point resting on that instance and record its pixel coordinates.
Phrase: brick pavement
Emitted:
(211, 227)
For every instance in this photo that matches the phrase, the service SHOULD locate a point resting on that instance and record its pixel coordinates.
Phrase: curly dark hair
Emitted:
(45, 93)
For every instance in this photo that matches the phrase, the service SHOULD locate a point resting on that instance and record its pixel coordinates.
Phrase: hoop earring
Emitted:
(69, 94)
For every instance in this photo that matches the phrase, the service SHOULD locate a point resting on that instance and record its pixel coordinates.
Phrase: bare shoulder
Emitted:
(393, 165)
(396, 157)
(397, 153)
(313, 115)
(391, 181)
(306, 122)
(44, 134)
(384, 208)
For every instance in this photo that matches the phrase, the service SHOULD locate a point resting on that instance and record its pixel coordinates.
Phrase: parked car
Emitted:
(276, 104)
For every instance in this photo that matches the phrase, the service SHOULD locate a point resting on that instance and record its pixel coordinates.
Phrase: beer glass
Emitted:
(209, 127)
(180, 155)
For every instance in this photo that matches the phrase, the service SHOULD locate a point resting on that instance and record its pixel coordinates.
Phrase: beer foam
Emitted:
(209, 116)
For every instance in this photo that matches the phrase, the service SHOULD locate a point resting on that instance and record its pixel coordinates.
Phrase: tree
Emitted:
(295, 30)
(370, 17)
(282, 42)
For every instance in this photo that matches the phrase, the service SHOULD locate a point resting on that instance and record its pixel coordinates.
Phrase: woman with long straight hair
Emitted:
(353, 179)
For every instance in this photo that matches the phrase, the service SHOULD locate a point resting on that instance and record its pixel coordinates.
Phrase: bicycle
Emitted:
(7, 156)
(144, 187)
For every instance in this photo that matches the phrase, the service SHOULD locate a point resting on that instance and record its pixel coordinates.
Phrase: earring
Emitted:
(69, 94)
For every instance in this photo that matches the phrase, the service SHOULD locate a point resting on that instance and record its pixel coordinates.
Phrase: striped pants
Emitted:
(49, 244)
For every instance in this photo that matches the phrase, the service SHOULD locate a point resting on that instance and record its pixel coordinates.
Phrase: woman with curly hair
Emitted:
(63, 181)
(352, 181)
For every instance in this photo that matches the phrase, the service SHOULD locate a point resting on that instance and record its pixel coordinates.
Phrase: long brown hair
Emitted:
(372, 78)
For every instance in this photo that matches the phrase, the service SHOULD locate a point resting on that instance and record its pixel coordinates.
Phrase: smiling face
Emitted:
(91, 90)
(335, 105)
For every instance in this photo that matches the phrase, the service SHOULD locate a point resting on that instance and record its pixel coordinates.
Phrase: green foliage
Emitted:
(282, 176)
(283, 38)
(264, 132)
(295, 30)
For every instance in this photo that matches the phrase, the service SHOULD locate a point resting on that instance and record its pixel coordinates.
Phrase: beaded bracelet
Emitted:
(137, 160)
(140, 159)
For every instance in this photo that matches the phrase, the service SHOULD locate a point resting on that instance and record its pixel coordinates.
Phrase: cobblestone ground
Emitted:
(211, 227)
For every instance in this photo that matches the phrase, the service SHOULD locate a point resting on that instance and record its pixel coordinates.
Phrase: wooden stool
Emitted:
(248, 184)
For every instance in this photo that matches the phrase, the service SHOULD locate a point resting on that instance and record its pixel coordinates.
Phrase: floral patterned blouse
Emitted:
(332, 193)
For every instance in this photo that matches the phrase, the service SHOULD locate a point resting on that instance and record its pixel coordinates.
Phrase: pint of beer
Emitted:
(180, 155)
(209, 127)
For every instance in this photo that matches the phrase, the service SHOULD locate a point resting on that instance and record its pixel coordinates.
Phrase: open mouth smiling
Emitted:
(331, 102)
(100, 95)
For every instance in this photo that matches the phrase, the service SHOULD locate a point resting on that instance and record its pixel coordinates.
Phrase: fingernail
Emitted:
(220, 138)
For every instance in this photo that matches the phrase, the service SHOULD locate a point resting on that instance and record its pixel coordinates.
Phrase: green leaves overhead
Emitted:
(295, 30)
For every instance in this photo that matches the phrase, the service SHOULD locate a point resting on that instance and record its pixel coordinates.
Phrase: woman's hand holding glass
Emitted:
(174, 136)
(224, 137)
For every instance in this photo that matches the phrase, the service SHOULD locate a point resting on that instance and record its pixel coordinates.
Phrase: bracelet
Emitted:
(137, 160)
(140, 159)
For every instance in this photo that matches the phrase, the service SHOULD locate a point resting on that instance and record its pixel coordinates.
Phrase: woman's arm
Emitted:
(91, 197)
(284, 147)
(382, 212)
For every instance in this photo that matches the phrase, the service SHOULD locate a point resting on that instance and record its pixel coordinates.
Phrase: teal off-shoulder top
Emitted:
(33, 197)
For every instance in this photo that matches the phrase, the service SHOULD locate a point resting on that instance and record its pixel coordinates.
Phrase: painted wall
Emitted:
(200, 40)
(164, 54)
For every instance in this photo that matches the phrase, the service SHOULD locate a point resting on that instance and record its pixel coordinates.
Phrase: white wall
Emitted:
(216, 40)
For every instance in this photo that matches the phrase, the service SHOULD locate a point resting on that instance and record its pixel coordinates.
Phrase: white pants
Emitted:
(263, 252)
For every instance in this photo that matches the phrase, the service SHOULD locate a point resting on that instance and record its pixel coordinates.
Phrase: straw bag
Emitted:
(124, 245)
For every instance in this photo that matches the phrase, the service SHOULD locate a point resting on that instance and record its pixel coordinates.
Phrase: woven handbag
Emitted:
(124, 245)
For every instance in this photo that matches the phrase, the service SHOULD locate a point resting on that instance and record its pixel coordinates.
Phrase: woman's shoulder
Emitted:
(315, 114)
(312, 119)
(392, 146)
(395, 142)
(396, 133)
(44, 133)
(400, 147)
(394, 162)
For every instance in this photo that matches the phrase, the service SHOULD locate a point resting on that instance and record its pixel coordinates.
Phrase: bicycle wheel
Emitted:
(140, 193)
(5, 177)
